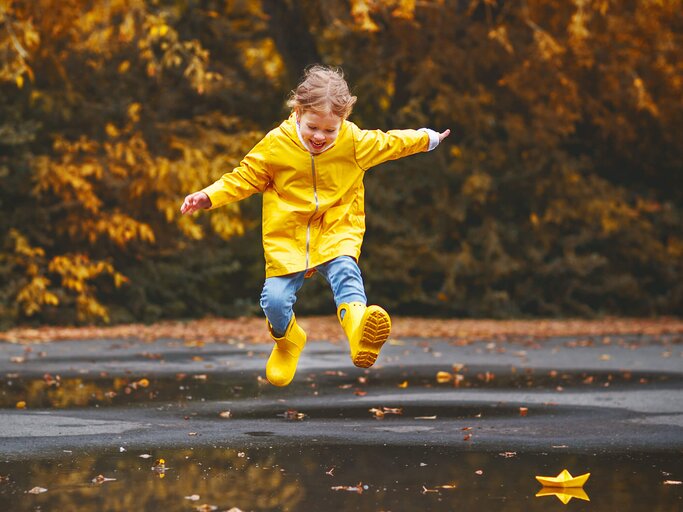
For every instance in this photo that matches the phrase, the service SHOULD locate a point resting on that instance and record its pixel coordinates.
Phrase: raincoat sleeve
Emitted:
(375, 146)
(250, 177)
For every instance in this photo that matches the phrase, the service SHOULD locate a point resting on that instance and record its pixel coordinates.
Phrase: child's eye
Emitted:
(312, 127)
(330, 131)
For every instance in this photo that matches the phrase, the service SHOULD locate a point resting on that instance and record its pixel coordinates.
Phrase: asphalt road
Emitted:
(604, 395)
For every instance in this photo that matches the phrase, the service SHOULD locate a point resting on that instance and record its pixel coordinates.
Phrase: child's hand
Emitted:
(194, 202)
(443, 135)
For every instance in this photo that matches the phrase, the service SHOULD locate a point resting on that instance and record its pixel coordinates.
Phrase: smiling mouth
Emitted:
(318, 145)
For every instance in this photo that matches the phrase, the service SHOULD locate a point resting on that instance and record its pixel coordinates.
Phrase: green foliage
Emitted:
(559, 192)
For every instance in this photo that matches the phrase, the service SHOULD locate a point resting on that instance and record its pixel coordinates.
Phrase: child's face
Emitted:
(319, 131)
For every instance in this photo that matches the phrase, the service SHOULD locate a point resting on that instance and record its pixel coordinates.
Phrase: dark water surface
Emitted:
(337, 478)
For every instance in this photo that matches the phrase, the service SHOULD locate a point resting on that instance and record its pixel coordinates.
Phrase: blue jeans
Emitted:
(279, 293)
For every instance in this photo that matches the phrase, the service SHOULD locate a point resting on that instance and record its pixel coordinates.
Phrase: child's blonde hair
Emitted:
(322, 90)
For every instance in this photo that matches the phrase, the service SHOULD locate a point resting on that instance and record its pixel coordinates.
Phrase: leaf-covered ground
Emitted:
(327, 328)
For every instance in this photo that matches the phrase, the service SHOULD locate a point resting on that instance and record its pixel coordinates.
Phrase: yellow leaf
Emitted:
(443, 377)
(20, 81)
(111, 130)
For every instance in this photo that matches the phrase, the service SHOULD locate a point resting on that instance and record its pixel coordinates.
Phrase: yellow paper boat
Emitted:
(564, 480)
(564, 495)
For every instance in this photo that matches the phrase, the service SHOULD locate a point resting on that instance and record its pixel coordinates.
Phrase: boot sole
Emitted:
(375, 329)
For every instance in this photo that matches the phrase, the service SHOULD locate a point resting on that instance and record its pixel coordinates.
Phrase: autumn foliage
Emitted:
(558, 194)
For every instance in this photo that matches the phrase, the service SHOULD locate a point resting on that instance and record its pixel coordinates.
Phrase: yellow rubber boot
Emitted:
(281, 365)
(367, 328)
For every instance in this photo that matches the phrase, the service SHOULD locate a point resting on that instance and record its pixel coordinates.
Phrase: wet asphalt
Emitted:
(597, 394)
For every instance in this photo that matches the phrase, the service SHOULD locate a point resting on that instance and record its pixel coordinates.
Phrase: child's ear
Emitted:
(297, 112)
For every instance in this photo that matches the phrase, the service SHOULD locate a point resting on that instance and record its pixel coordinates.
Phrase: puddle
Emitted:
(336, 478)
(516, 378)
(55, 392)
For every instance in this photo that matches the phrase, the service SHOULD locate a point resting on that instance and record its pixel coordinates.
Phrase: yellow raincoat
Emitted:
(313, 204)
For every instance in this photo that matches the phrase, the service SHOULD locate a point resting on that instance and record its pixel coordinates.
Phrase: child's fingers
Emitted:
(444, 134)
(189, 205)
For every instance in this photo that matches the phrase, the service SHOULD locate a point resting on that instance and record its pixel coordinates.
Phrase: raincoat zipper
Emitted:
(317, 206)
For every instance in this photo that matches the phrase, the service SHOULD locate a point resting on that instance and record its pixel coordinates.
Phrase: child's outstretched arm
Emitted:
(373, 147)
(250, 177)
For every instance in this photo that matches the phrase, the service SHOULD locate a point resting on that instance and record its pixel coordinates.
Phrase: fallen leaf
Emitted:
(192, 434)
(467, 437)
(479, 472)
(605, 357)
(425, 417)
(145, 456)
(100, 479)
(360, 392)
(486, 377)
(523, 411)
(672, 482)
(241, 455)
(225, 414)
(37, 490)
(380, 413)
(159, 466)
(508, 455)
(352, 488)
(21, 404)
(205, 508)
(17, 359)
(392, 410)
(443, 377)
(52, 381)
(292, 415)
(194, 497)
(403, 384)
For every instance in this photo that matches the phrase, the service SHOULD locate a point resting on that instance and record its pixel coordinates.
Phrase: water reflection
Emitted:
(336, 478)
(564, 495)
(101, 391)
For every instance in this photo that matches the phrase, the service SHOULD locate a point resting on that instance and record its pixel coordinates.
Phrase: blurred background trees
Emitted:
(558, 193)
